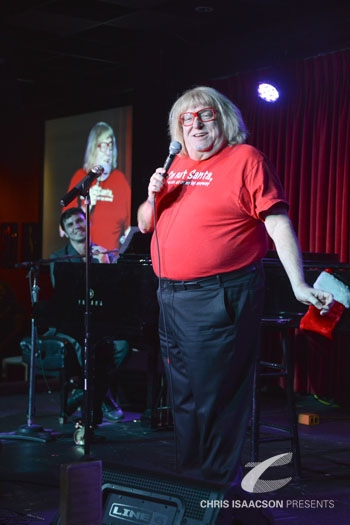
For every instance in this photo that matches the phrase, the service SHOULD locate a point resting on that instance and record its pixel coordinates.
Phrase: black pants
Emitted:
(209, 334)
(108, 356)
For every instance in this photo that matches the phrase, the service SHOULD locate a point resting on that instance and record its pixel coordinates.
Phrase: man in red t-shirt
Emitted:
(211, 212)
(110, 194)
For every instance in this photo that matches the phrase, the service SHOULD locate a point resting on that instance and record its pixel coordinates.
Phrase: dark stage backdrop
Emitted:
(306, 134)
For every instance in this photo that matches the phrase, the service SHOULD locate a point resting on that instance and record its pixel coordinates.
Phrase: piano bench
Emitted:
(284, 368)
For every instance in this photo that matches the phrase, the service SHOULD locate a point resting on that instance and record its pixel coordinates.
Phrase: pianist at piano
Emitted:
(73, 226)
(109, 353)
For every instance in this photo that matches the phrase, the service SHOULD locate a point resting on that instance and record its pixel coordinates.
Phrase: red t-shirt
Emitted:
(110, 217)
(209, 217)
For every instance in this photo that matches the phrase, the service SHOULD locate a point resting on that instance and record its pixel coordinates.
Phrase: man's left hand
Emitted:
(311, 296)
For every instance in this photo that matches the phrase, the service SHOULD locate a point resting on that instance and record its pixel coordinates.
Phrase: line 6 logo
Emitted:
(136, 515)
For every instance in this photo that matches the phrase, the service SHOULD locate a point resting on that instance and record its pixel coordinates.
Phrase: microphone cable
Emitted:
(174, 148)
(162, 316)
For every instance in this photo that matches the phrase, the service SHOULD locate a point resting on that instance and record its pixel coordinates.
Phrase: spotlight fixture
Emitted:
(268, 92)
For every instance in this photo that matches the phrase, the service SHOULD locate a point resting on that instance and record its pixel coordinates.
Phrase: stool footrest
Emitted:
(277, 428)
(273, 439)
(273, 374)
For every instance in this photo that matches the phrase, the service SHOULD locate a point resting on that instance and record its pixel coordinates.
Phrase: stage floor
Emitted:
(30, 471)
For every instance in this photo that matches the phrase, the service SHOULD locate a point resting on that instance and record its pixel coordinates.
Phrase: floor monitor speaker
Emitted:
(148, 498)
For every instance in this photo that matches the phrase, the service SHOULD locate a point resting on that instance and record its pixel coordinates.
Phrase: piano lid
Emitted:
(313, 258)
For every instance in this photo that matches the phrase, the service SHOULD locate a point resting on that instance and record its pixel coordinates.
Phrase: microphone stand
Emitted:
(83, 434)
(85, 431)
(87, 361)
(31, 431)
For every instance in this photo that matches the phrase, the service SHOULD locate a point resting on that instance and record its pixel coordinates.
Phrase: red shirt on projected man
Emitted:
(110, 194)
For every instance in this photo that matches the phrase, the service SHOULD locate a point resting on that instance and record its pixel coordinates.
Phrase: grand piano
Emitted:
(122, 299)
(122, 296)
(123, 302)
(122, 305)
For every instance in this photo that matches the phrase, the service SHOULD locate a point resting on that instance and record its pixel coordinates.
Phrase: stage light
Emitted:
(268, 92)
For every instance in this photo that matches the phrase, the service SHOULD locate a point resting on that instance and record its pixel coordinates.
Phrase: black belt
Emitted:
(203, 282)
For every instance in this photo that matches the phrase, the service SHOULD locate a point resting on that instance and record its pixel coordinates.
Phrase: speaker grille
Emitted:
(190, 492)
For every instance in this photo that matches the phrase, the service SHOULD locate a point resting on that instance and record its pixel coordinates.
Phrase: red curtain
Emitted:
(306, 134)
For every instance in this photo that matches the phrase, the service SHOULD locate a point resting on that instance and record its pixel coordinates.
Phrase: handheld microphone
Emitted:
(174, 148)
(83, 186)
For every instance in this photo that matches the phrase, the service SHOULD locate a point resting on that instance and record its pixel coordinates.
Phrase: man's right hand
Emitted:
(95, 192)
(156, 183)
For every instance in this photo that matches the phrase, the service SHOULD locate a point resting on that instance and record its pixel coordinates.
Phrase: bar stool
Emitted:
(285, 369)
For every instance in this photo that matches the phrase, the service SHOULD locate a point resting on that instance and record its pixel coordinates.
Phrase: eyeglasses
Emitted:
(104, 146)
(204, 115)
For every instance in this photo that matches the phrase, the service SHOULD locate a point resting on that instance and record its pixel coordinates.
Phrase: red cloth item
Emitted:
(322, 324)
(325, 324)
